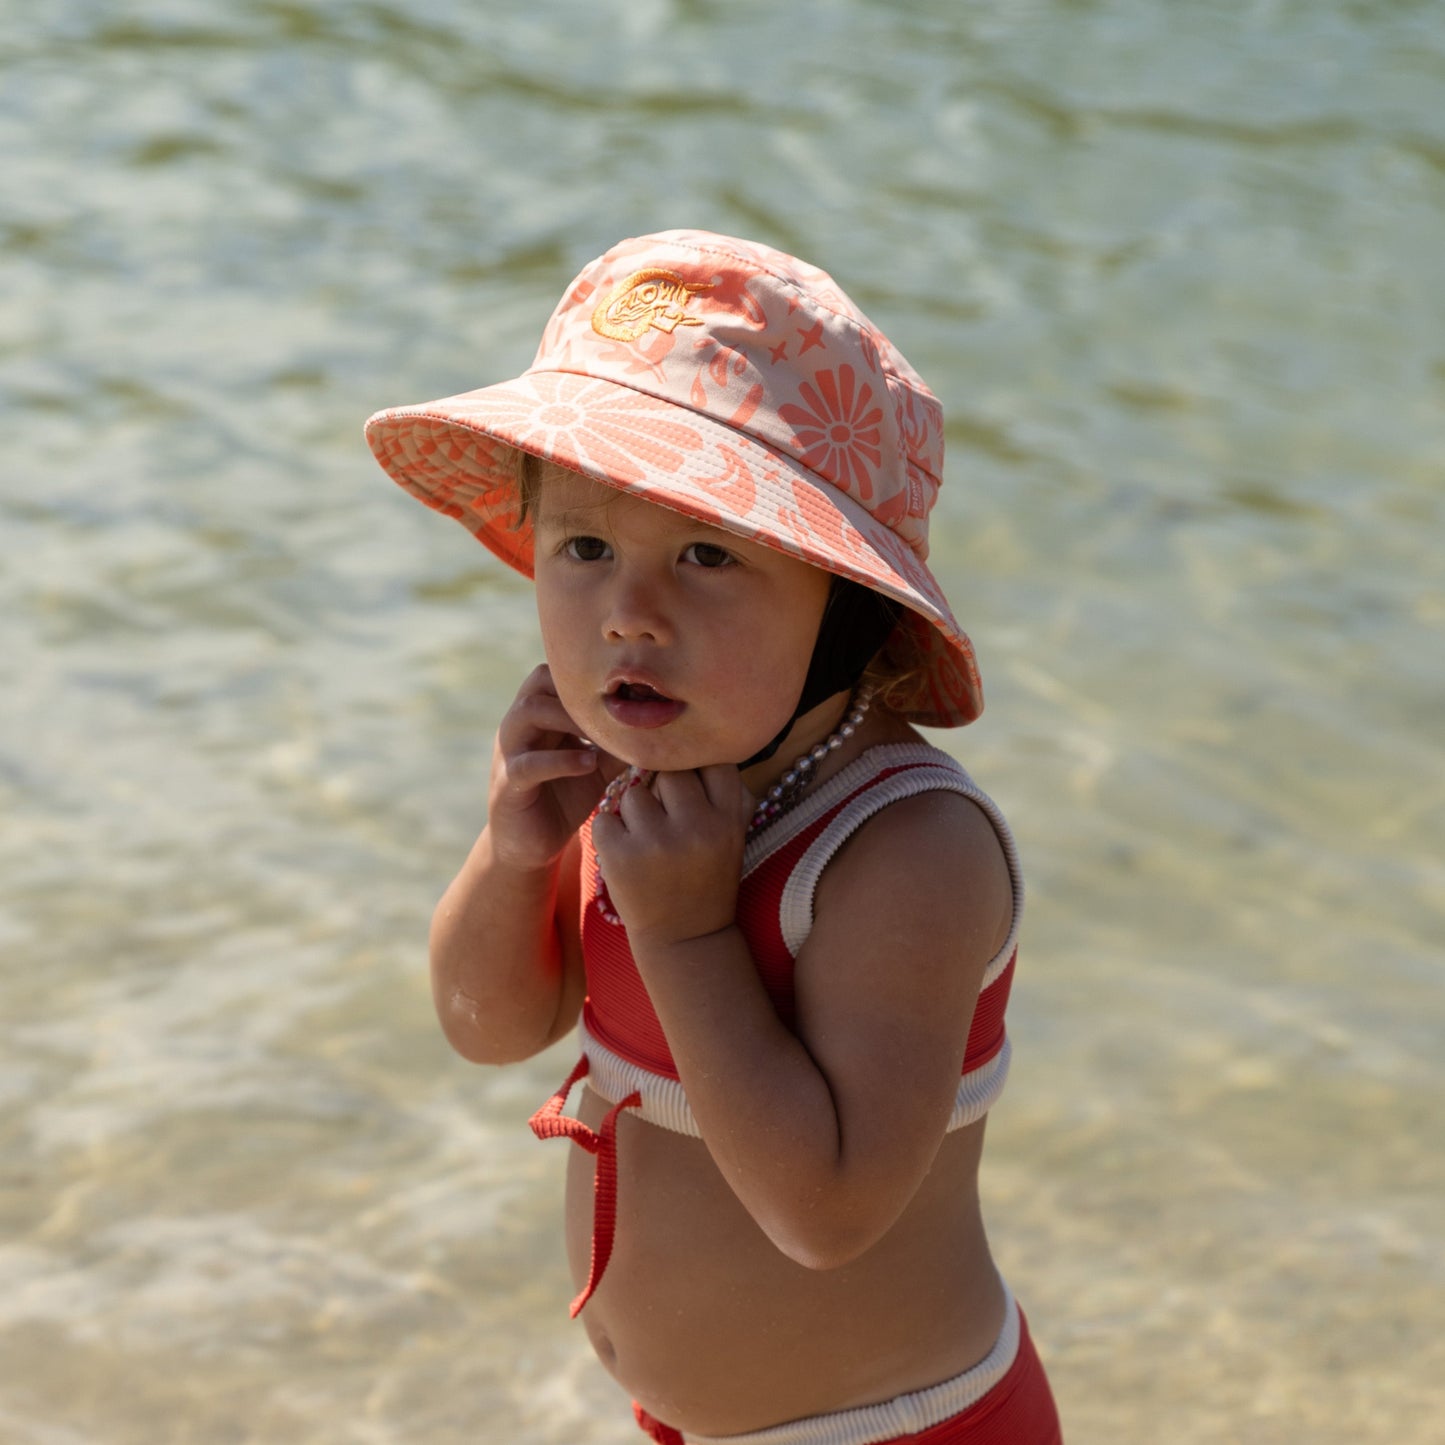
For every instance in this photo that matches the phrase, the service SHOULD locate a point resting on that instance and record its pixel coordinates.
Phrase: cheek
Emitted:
(771, 670)
(797, 625)
(558, 611)
(562, 637)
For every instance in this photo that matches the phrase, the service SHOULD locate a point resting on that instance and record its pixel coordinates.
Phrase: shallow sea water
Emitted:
(1178, 275)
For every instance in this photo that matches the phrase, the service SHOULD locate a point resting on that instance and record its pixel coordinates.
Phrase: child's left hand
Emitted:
(672, 854)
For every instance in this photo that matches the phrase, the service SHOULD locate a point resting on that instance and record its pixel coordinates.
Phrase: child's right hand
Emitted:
(546, 779)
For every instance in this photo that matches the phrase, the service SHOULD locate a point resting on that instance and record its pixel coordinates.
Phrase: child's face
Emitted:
(672, 644)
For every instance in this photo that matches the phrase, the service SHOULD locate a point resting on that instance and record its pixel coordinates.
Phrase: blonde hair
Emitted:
(897, 674)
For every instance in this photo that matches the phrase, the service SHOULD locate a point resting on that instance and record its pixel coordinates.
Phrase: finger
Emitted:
(638, 806)
(536, 767)
(679, 792)
(539, 680)
(536, 716)
(543, 707)
(725, 789)
(607, 828)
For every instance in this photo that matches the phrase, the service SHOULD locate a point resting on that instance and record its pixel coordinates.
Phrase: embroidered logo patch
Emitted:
(643, 301)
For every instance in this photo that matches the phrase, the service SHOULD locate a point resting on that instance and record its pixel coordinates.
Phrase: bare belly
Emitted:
(713, 1330)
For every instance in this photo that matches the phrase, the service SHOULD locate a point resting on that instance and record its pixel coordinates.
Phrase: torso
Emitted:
(710, 1327)
(732, 1335)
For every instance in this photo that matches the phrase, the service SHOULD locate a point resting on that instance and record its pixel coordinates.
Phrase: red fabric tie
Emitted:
(549, 1122)
(651, 1425)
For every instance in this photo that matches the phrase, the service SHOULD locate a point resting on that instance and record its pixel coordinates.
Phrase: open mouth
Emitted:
(640, 705)
(638, 692)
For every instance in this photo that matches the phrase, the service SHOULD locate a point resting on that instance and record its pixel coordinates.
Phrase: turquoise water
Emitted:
(1178, 274)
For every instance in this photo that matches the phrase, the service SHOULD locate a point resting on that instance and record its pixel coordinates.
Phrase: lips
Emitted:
(638, 704)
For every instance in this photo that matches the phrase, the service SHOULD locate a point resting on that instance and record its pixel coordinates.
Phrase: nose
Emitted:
(636, 609)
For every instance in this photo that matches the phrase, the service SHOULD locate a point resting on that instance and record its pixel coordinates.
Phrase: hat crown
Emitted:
(737, 385)
(767, 345)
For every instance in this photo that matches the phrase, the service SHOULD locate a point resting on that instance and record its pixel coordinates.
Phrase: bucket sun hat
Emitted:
(733, 383)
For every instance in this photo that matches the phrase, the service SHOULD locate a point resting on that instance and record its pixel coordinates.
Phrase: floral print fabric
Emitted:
(729, 381)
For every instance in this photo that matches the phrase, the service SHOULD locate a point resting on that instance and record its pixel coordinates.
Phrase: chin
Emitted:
(664, 759)
(676, 747)
(660, 754)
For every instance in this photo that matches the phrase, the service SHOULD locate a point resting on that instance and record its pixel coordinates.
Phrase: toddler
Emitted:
(782, 924)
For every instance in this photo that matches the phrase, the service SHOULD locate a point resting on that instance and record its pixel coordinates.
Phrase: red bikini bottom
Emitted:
(1017, 1410)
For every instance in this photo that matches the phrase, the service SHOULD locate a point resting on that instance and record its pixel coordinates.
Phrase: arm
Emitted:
(825, 1134)
(506, 959)
(506, 970)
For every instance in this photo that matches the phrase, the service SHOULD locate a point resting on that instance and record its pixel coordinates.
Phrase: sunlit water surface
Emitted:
(1178, 273)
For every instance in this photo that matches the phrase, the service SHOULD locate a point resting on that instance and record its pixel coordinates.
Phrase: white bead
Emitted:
(785, 792)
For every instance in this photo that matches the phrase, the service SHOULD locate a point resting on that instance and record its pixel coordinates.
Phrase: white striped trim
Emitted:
(817, 801)
(901, 1416)
(664, 1100)
(942, 774)
(979, 1089)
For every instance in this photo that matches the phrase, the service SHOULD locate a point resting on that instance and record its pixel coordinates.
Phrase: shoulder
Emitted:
(907, 917)
(935, 856)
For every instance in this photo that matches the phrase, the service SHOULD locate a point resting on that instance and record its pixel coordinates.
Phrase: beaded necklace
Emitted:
(773, 804)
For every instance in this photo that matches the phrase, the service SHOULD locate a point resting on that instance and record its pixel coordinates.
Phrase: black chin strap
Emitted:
(856, 623)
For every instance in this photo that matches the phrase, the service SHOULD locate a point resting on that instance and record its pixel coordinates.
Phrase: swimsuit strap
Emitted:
(902, 770)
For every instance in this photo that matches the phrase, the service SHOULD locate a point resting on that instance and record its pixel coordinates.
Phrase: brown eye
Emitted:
(706, 554)
(586, 549)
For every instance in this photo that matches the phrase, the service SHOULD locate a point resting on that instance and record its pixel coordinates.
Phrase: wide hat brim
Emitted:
(457, 455)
